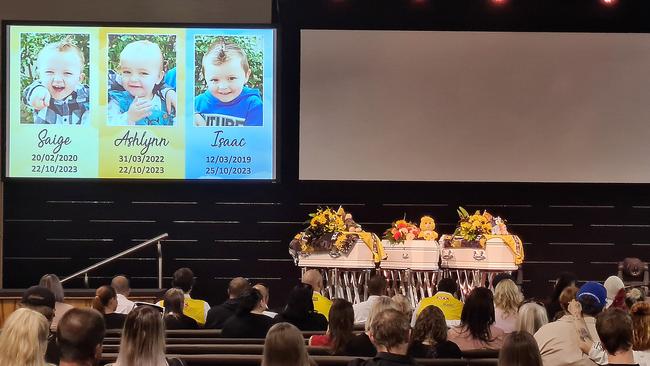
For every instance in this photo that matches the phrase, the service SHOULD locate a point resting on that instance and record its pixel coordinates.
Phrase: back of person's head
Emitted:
(377, 285)
(121, 285)
(341, 324)
(103, 297)
(314, 278)
(23, 340)
(531, 317)
(248, 301)
(299, 302)
(183, 279)
(568, 294)
(264, 290)
(39, 299)
(430, 326)
(403, 304)
(478, 314)
(284, 346)
(500, 277)
(633, 296)
(80, 335)
(143, 338)
(507, 296)
(592, 296)
(237, 286)
(390, 329)
(614, 327)
(174, 301)
(383, 303)
(641, 325)
(52, 283)
(520, 349)
(563, 280)
(448, 284)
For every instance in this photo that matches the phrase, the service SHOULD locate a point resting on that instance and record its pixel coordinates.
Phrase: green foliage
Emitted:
(251, 45)
(30, 45)
(117, 42)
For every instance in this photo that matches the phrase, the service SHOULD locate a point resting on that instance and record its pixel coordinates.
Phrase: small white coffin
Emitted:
(421, 255)
(359, 257)
(496, 256)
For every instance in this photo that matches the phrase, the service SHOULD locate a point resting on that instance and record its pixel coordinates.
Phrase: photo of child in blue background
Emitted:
(226, 72)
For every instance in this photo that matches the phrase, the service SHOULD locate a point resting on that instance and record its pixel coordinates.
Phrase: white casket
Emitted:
(421, 255)
(359, 257)
(495, 256)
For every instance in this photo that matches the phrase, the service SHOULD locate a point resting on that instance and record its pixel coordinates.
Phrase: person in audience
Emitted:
(285, 346)
(300, 310)
(519, 349)
(376, 288)
(633, 296)
(143, 340)
(477, 329)
(640, 313)
(558, 341)
(530, 317)
(123, 290)
(80, 335)
(41, 300)
(565, 279)
(340, 330)
(105, 302)
(390, 331)
(264, 290)
(52, 283)
(500, 277)
(217, 315)
(429, 336)
(23, 340)
(444, 299)
(248, 321)
(403, 304)
(194, 308)
(613, 285)
(507, 298)
(174, 318)
(322, 304)
(614, 328)
(566, 296)
(361, 345)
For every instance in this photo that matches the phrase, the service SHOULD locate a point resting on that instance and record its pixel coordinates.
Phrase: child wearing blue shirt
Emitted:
(227, 101)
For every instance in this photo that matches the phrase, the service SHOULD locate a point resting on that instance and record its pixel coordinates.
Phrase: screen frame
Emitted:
(5, 24)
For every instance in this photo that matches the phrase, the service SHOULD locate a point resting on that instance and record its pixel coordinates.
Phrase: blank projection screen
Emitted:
(475, 106)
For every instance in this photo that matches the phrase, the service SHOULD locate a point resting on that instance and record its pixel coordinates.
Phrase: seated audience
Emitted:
(530, 317)
(633, 296)
(264, 290)
(194, 308)
(507, 298)
(565, 279)
(105, 302)
(445, 300)
(376, 288)
(300, 310)
(403, 304)
(476, 329)
(41, 300)
(218, 314)
(143, 340)
(174, 318)
(285, 346)
(248, 321)
(500, 277)
(322, 304)
(640, 312)
(559, 344)
(340, 330)
(52, 283)
(23, 340)
(389, 331)
(80, 336)
(429, 336)
(614, 328)
(566, 296)
(520, 349)
(361, 345)
(123, 290)
(613, 285)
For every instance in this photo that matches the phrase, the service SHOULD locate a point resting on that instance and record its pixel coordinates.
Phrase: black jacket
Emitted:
(384, 359)
(220, 313)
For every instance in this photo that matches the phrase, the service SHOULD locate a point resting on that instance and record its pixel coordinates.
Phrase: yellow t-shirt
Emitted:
(195, 309)
(450, 306)
(322, 304)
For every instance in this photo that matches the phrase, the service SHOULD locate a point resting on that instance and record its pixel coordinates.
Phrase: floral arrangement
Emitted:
(328, 231)
(470, 227)
(325, 221)
(402, 230)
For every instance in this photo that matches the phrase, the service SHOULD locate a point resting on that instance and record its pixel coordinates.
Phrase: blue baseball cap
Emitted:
(594, 290)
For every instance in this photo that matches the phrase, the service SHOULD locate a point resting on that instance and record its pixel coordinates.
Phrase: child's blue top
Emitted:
(157, 117)
(247, 105)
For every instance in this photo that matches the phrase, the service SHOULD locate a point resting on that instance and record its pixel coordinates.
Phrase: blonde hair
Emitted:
(507, 296)
(531, 317)
(64, 45)
(220, 52)
(142, 47)
(383, 303)
(284, 346)
(403, 304)
(143, 339)
(23, 341)
(52, 283)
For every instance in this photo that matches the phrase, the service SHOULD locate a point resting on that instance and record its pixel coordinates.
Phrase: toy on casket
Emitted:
(408, 246)
(334, 240)
(481, 241)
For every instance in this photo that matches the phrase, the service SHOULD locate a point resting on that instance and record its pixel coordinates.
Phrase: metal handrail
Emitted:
(157, 240)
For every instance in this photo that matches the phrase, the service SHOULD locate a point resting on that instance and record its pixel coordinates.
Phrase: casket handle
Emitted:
(405, 255)
(447, 254)
(479, 255)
